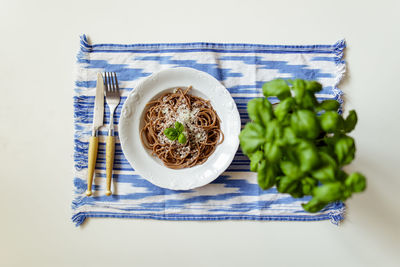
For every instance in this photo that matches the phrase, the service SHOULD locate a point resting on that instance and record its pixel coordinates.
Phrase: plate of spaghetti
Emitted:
(179, 128)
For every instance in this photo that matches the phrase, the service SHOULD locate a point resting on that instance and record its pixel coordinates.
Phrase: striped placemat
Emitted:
(242, 69)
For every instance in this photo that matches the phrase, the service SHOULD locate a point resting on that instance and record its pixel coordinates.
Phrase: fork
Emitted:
(112, 99)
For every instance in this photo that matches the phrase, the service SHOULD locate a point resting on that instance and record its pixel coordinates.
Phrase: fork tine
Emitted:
(116, 81)
(112, 82)
(109, 83)
(105, 81)
(110, 86)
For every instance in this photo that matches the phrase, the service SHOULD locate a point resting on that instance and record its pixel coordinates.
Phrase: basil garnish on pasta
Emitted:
(176, 133)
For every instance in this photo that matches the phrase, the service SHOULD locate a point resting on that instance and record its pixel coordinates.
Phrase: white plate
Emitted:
(151, 168)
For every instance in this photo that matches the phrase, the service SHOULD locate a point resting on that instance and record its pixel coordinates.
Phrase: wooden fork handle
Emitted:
(110, 149)
(92, 156)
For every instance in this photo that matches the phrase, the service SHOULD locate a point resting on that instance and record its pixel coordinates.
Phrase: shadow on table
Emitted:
(376, 212)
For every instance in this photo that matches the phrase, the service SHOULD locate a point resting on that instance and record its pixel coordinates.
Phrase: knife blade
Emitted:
(98, 112)
(98, 115)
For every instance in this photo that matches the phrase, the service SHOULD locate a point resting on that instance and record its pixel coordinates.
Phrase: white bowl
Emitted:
(151, 168)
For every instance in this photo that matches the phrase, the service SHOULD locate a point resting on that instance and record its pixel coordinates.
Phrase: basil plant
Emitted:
(301, 145)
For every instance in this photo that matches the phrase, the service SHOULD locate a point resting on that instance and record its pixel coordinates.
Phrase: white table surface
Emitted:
(39, 41)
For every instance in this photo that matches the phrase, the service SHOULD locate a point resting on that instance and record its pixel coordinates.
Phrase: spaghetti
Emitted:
(201, 123)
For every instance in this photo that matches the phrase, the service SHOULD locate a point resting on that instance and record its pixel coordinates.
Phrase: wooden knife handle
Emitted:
(110, 149)
(92, 156)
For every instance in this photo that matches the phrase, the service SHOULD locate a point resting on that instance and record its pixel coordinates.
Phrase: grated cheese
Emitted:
(187, 117)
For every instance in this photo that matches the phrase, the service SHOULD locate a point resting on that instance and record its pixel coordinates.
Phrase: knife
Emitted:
(98, 115)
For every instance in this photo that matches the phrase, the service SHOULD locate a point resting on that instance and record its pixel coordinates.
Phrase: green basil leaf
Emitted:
(314, 205)
(305, 124)
(308, 185)
(299, 88)
(270, 177)
(283, 108)
(325, 174)
(287, 185)
(277, 87)
(341, 175)
(330, 141)
(260, 110)
(356, 182)
(309, 101)
(289, 136)
(265, 111)
(272, 152)
(171, 134)
(286, 120)
(329, 192)
(182, 138)
(345, 150)
(289, 154)
(251, 137)
(346, 194)
(291, 169)
(266, 175)
(329, 104)
(179, 127)
(331, 121)
(308, 155)
(327, 159)
(299, 83)
(350, 122)
(273, 131)
(313, 86)
(255, 158)
(253, 109)
(298, 192)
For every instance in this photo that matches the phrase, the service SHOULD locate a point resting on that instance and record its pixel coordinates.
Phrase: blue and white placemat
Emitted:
(242, 69)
